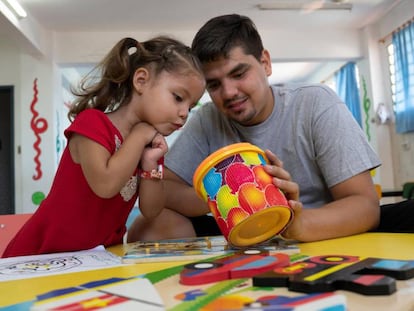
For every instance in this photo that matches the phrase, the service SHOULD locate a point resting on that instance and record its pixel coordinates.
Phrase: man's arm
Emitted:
(181, 201)
(181, 197)
(355, 209)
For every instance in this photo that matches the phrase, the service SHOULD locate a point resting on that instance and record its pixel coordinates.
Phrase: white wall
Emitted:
(317, 44)
(49, 51)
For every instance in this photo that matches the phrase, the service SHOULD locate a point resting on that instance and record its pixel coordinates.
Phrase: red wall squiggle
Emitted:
(39, 126)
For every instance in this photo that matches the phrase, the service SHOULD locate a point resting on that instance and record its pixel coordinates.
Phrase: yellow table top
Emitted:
(381, 245)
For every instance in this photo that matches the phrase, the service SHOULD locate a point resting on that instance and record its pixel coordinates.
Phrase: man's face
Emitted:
(239, 87)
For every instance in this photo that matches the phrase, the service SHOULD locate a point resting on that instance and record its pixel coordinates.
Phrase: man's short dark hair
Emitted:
(223, 33)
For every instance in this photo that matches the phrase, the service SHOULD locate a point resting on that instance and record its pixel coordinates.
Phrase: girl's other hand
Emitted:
(144, 132)
(154, 151)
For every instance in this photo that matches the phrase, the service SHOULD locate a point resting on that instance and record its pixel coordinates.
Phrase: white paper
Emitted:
(24, 267)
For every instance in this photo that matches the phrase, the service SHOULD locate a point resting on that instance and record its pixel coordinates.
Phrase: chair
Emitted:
(9, 226)
(407, 191)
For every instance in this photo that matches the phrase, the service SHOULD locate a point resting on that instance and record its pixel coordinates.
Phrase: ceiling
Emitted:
(161, 15)
(190, 15)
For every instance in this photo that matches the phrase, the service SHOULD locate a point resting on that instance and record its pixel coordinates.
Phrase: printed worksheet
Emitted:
(24, 267)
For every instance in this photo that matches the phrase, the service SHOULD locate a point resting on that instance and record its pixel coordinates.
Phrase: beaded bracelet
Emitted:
(154, 174)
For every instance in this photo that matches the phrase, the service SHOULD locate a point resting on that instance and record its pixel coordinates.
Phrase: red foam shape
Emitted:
(234, 266)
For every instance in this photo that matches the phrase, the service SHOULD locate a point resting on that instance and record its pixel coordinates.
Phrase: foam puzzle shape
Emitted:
(243, 264)
(270, 302)
(367, 276)
(111, 294)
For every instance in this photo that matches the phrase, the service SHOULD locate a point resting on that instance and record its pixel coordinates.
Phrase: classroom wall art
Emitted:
(38, 125)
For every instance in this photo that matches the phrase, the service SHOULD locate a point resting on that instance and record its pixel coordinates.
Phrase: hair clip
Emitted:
(132, 50)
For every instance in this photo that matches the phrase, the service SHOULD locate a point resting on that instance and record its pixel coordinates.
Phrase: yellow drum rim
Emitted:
(261, 226)
(218, 156)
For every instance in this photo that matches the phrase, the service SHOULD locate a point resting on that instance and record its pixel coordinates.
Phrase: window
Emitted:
(347, 87)
(403, 81)
(391, 62)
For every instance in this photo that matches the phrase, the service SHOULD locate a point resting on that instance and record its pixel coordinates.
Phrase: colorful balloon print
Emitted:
(251, 198)
(212, 182)
(261, 177)
(252, 158)
(274, 196)
(236, 187)
(236, 216)
(238, 174)
(226, 200)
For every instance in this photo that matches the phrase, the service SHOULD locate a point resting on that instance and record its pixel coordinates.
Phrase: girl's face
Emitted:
(166, 100)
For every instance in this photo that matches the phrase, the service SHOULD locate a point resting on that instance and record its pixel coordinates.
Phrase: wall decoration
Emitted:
(37, 197)
(39, 126)
(367, 106)
(59, 143)
(382, 114)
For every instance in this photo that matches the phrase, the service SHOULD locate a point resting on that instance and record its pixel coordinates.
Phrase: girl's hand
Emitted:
(153, 152)
(144, 132)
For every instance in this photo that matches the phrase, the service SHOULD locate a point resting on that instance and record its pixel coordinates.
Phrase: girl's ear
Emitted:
(141, 78)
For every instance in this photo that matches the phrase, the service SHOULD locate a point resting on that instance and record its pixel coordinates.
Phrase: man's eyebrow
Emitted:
(239, 67)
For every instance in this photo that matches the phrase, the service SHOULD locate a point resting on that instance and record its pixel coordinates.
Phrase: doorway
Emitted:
(6, 150)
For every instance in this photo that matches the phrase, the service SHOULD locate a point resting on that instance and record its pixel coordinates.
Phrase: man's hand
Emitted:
(282, 180)
(281, 177)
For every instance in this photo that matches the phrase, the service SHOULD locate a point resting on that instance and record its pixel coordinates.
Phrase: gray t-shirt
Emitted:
(310, 129)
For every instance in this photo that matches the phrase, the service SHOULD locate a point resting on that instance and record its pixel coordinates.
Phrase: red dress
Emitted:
(72, 217)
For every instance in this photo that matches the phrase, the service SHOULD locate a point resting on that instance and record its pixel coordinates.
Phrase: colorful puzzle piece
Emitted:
(309, 302)
(243, 264)
(367, 276)
(113, 294)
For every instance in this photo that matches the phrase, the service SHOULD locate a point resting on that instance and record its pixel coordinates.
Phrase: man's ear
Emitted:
(141, 78)
(266, 62)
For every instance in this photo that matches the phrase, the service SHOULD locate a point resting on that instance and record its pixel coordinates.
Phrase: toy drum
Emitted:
(246, 205)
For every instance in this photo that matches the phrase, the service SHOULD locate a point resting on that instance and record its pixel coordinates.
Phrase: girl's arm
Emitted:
(106, 174)
(151, 190)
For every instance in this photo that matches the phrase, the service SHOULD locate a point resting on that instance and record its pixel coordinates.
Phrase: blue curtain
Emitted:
(348, 91)
(403, 42)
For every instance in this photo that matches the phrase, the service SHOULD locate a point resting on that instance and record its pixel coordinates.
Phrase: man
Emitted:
(322, 150)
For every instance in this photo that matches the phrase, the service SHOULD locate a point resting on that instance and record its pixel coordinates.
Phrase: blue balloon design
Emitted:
(262, 159)
(212, 182)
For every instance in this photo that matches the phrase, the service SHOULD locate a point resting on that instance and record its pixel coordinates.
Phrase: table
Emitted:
(381, 245)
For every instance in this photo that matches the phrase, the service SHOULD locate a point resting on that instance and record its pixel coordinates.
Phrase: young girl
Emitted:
(115, 147)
